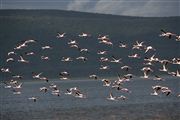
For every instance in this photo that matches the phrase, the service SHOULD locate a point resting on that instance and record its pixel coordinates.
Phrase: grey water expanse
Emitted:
(43, 26)
(140, 105)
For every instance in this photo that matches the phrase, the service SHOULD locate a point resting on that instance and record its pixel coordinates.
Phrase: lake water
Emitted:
(140, 105)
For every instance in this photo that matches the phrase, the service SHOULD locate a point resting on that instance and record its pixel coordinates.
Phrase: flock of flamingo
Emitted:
(15, 86)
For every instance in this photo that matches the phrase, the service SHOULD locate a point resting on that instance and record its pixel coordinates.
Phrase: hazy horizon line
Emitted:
(84, 12)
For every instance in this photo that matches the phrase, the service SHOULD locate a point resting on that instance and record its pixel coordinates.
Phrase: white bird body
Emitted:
(138, 45)
(83, 50)
(53, 86)
(30, 53)
(149, 48)
(9, 59)
(152, 59)
(122, 97)
(6, 70)
(107, 82)
(45, 58)
(66, 59)
(43, 89)
(64, 73)
(22, 60)
(37, 76)
(17, 48)
(176, 61)
(154, 93)
(134, 56)
(103, 59)
(80, 95)
(18, 86)
(74, 46)
(106, 42)
(158, 78)
(13, 82)
(102, 52)
(93, 76)
(178, 38)
(115, 60)
(46, 47)
(177, 73)
(104, 38)
(82, 58)
(20, 46)
(111, 97)
(72, 42)
(44, 78)
(125, 67)
(33, 98)
(30, 41)
(164, 68)
(74, 91)
(60, 35)
(84, 35)
(166, 34)
(55, 93)
(16, 92)
(11, 53)
(104, 67)
(8, 86)
(125, 90)
(68, 92)
(63, 78)
(157, 87)
(121, 45)
(146, 70)
(167, 91)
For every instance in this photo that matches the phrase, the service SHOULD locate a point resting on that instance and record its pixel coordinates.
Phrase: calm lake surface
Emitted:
(140, 105)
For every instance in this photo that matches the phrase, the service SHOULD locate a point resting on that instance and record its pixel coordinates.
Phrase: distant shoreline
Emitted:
(80, 12)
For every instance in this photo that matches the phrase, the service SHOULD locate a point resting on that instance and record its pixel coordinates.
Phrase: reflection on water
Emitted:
(140, 105)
